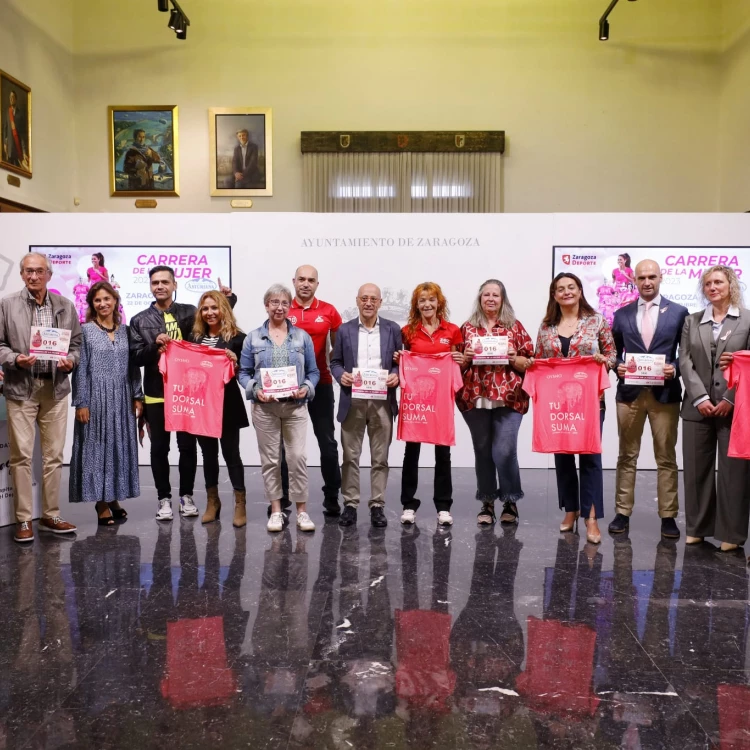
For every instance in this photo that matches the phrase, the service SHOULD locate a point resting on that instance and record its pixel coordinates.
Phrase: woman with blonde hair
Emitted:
(716, 505)
(215, 326)
(429, 332)
(493, 402)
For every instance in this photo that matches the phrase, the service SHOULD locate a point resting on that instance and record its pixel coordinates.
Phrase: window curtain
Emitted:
(409, 182)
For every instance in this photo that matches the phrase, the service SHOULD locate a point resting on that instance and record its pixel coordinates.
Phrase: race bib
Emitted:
(490, 350)
(370, 384)
(280, 382)
(49, 344)
(644, 369)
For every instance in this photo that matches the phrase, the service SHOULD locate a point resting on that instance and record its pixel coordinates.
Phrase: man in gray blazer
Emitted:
(37, 391)
(651, 325)
(367, 341)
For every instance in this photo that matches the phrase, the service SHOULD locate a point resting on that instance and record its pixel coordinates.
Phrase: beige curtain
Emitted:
(403, 183)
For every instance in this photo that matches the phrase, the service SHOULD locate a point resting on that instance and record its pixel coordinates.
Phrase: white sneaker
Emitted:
(275, 522)
(304, 522)
(187, 506)
(408, 516)
(445, 518)
(165, 510)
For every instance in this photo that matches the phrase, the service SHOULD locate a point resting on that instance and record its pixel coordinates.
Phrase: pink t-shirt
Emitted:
(194, 380)
(566, 396)
(429, 383)
(738, 377)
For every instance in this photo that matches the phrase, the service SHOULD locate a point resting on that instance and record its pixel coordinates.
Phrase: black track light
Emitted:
(604, 30)
(178, 20)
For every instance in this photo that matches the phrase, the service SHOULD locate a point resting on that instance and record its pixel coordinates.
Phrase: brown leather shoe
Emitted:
(56, 526)
(24, 532)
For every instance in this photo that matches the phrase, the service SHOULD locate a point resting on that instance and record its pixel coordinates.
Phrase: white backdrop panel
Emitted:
(266, 248)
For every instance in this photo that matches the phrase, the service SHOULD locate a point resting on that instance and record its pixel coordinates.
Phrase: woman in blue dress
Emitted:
(108, 399)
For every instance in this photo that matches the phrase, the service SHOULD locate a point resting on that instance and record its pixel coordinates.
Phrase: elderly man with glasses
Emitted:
(366, 342)
(37, 391)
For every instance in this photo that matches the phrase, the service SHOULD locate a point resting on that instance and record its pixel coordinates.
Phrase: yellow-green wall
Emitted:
(645, 122)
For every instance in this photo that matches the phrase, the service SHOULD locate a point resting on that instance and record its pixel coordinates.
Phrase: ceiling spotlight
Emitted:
(604, 30)
(174, 19)
(181, 29)
(163, 5)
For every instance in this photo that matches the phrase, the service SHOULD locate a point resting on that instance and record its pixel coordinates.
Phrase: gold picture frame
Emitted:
(143, 151)
(236, 172)
(15, 127)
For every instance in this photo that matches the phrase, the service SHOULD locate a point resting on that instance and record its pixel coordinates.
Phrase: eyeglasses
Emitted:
(31, 272)
(278, 303)
(365, 300)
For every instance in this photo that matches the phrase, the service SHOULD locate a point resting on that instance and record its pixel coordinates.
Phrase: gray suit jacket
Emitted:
(698, 376)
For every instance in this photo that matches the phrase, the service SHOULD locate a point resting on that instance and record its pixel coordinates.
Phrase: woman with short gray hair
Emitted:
(280, 416)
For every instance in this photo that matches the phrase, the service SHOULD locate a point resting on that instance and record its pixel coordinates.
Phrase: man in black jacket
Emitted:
(150, 332)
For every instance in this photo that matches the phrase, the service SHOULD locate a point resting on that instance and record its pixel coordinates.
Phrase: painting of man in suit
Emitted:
(15, 125)
(240, 151)
(245, 162)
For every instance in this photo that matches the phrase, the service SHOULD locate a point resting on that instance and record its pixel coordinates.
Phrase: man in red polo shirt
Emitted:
(321, 321)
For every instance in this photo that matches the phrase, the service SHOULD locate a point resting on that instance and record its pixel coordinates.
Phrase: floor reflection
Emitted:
(404, 637)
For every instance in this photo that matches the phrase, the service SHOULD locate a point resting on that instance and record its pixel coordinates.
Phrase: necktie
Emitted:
(647, 326)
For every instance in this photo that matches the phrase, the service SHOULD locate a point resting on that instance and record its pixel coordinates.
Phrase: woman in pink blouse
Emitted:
(572, 328)
(492, 401)
(97, 272)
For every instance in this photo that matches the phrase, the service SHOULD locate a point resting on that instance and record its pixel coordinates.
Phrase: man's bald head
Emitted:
(305, 283)
(368, 303)
(648, 279)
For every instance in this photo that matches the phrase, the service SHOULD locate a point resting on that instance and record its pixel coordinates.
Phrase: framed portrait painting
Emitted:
(143, 151)
(15, 125)
(241, 151)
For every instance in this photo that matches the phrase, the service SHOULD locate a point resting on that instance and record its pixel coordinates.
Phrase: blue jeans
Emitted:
(494, 433)
(573, 496)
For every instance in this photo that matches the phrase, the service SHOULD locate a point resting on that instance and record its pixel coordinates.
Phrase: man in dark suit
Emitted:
(245, 163)
(366, 342)
(651, 325)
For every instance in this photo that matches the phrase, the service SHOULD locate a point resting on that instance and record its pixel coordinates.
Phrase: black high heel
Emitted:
(105, 520)
(118, 513)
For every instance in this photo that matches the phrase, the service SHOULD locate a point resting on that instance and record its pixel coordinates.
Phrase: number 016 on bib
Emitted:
(644, 369)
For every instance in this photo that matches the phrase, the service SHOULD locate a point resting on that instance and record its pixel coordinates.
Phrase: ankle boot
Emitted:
(213, 506)
(240, 516)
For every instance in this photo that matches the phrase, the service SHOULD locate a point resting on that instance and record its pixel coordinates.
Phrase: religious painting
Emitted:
(143, 151)
(240, 151)
(15, 125)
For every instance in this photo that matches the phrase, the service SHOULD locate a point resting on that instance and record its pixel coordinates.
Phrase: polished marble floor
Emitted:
(179, 635)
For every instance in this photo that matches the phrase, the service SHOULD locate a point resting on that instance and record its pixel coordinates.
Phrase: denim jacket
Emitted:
(257, 352)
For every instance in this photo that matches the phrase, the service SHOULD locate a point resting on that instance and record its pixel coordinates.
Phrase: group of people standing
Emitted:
(305, 333)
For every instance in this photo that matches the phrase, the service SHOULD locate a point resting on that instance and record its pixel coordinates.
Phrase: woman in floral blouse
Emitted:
(493, 403)
(572, 328)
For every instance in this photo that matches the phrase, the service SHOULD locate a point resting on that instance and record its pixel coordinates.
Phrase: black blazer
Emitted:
(235, 413)
(628, 340)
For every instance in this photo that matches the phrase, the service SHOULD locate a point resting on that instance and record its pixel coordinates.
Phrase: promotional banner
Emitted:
(608, 273)
(76, 268)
